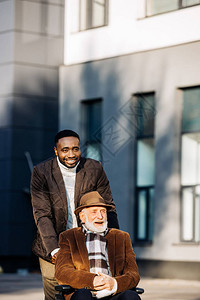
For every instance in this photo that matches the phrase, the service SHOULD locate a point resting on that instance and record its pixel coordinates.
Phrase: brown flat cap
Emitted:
(91, 199)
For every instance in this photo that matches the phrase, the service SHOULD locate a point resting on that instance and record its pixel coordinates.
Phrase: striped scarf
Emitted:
(97, 251)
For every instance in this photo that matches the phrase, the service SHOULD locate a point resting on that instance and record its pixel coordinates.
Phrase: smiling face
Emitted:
(68, 151)
(94, 218)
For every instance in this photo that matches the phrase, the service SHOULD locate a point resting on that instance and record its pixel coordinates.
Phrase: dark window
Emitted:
(190, 166)
(93, 13)
(155, 7)
(91, 124)
(145, 114)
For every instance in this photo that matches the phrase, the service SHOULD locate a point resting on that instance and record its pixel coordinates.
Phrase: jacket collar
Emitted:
(80, 174)
(81, 244)
(111, 248)
(59, 181)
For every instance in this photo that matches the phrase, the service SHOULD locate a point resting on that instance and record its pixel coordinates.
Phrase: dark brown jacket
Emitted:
(49, 200)
(72, 264)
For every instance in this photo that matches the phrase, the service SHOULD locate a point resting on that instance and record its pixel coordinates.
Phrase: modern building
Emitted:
(130, 84)
(31, 49)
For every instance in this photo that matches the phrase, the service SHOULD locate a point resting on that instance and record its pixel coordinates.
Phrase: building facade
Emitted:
(31, 49)
(130, 85)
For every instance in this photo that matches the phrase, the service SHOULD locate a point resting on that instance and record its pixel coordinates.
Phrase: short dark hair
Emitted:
(65, 133)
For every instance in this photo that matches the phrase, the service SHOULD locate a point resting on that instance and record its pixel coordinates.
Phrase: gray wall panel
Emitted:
(6, 15)
(31, 39)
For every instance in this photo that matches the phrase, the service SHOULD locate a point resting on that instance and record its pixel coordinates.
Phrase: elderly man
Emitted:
(98, 262)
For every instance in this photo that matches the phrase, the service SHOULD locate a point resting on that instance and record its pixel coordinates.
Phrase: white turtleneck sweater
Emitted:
(69, 177)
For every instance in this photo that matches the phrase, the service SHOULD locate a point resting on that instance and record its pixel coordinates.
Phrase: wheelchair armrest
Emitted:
(139, 290)
(67, 289)
(64, 289)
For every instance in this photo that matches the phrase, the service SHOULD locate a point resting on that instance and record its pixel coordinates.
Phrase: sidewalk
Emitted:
(161, 289)
(21, 287)
(29, 287)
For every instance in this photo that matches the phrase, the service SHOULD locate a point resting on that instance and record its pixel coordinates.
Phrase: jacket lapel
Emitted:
(81, 245)
(59, 182)
(111, 247)
(80, 174)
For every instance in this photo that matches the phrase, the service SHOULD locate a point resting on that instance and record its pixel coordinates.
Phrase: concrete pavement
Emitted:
(161, 289)
(21, 287)
(29, 287)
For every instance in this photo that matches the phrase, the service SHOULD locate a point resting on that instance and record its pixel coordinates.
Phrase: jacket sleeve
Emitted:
(69, 272)
(130, 277)
(42, 211)
(103, 187)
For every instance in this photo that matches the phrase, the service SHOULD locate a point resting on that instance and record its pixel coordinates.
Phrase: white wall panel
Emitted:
(127, 32)
(44, 18)
(6, 47)
(7, 79)
(38, 49)
(6, 15)
(36, 81)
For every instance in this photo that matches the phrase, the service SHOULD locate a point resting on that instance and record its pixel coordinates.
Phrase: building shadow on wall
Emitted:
(34, 125)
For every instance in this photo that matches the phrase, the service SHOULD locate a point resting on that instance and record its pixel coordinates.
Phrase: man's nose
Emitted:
(70, 153)
(100, 215)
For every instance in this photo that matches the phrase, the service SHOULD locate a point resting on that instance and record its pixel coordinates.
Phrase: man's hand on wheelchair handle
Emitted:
(53, 259)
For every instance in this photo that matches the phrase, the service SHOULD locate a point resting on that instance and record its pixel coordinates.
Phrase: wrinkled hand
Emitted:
(103, 281)
(53, 260)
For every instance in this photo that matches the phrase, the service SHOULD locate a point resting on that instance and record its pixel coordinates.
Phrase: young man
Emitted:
(96, 261)
(56, 188)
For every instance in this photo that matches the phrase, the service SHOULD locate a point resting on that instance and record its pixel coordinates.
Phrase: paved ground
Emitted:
(161, 289)
(29, 287)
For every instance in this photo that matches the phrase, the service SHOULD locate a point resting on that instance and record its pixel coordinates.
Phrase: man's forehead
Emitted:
(69, 140)
(92, 208)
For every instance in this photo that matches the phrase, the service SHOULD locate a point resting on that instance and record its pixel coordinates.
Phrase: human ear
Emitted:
(55, 150)
(82, 216)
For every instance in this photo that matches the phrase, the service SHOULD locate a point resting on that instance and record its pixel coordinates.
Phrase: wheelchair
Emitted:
(67, 289)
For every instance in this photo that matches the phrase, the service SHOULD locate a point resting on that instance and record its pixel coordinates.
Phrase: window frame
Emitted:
(84, 130)
(180, 6)
(193, 187)
(185, 186)
(88, 17)
(147, 240)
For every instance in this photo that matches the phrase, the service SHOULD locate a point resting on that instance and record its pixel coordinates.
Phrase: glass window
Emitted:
(191, 111)
(187, 214)
(142, 212)
(190, 2)
(197, 214)
(91, 124)
(150, 213)
(155, 7)
(190, 166)
(145, 214)
(98, 15)
(144, 106)
(145, 162)
(93, 13)
(145, 113)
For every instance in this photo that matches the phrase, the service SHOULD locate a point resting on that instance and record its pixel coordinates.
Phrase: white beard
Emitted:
(90, 226)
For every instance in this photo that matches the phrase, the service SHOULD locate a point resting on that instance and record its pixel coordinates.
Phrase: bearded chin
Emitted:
(90, 226)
